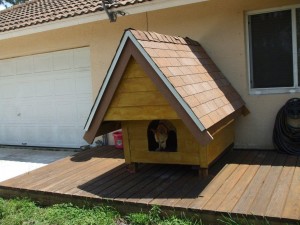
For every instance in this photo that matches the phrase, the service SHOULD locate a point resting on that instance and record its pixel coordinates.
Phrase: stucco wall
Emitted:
(219, 25)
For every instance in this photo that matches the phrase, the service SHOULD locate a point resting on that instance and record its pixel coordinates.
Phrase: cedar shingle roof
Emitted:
(193, 74)
(42, 11)
(183, 71)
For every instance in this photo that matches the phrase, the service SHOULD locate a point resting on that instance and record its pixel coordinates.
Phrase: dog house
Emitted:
(172, 103)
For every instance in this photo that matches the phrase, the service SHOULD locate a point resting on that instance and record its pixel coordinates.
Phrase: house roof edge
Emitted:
(93, 17)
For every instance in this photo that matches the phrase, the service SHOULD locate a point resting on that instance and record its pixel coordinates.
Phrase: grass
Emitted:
(26, 212)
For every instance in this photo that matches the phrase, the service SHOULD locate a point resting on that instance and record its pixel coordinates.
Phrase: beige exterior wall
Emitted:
(219, 25)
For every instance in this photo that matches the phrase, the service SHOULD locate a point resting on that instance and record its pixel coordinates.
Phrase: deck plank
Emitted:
(57, 179)
(227, 186)
(235, 194)
(87, 174)
(131, 194)
(261, 183)
(100, 185)
(127, 187)
(292, 206)
(49, 174)
(161, 185)
(277, 202)
(193, 191)
(216, 184)
(253, 188)
(176, 190)
(263, 197)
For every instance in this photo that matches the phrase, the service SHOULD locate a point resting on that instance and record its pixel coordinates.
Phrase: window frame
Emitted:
(273, 90)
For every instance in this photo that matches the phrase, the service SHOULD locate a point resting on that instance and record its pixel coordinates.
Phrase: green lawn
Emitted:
(20, 211)
(26, 212)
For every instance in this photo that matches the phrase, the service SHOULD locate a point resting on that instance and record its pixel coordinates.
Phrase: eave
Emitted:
(94, 17)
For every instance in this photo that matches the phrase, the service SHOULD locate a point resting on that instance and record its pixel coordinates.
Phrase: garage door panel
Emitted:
(66, 112)
(2, 133)
(83, 83)
(44, 88)
(12, 133)
(63, 60)
(28, 135)
(83, 109)
(43, 135)
(44, 111)
(10, 113)
(7, 87)
(65, 86)
(24, 65)
(43, 63)
(7, 67)
(44, 99)
(81, 58)
(27, 112)
(66, 133)
(26, 89)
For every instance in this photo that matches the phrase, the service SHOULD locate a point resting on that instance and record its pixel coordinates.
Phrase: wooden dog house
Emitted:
(157, 79)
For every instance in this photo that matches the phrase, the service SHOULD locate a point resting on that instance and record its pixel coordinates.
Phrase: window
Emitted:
(274, 58)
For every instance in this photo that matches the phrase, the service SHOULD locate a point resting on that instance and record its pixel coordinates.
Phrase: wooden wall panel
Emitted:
(140, 113)
(165, 157)
(152, 98)
(137, 98)
(187, 146)
(222, 139)
(134, 85)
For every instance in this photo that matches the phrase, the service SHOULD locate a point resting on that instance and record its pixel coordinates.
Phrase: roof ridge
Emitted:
(163, 38)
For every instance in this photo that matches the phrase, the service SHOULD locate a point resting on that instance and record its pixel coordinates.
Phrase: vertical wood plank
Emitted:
(253, 188)
(263, 197)
(230, 183)
(292, 206)
(126, 144)
(277, 202)
(215, 184)
(232, 198)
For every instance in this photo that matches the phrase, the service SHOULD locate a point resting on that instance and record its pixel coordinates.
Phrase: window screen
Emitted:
(271, 49)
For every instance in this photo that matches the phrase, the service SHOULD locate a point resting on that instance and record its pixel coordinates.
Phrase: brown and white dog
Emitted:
(161, 136)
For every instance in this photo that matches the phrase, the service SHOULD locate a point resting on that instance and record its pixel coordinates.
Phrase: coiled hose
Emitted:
(286, 137)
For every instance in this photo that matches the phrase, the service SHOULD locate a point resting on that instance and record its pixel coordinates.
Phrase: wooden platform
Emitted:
(260, 183)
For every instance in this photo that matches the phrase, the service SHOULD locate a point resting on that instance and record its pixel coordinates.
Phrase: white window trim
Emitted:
(275, 90)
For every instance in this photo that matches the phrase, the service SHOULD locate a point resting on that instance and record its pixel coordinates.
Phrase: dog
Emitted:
(161, 136)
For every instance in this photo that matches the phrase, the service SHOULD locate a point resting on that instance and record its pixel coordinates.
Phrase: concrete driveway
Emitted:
(19, 160)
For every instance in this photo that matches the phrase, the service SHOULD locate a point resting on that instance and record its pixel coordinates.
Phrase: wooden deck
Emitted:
(260, 183)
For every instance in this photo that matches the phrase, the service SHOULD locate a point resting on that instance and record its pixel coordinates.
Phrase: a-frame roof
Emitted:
(183, 73)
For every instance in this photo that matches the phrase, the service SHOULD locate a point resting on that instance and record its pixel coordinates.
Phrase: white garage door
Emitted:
(45, 99)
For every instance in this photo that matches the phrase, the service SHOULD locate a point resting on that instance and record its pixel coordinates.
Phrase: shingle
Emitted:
(175, 71)
(192, 101)
(43, 11)
(214, 116)
(176, 81)
(194, 76)
(206, 121)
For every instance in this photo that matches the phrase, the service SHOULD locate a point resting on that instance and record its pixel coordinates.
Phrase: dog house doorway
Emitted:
(162, 136)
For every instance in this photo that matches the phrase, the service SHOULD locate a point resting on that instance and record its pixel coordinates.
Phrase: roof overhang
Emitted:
(94, 17)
